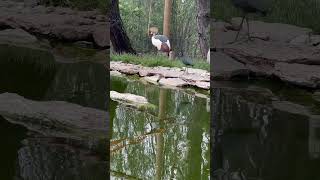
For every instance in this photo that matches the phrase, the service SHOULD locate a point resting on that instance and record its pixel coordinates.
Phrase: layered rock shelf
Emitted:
(56, 22)
(87, 127)
(287, 52)
(165, 76)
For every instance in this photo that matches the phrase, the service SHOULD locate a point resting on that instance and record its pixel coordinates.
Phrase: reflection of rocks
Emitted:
(260, 131)
(56, 22)
(316, 96)
(25, 63)
(288, 52)
(166, 76)
(45, 158)
(18, 46)
(86, 126)
(82, 83)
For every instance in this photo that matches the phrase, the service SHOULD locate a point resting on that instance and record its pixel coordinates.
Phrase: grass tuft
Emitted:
(153, 61)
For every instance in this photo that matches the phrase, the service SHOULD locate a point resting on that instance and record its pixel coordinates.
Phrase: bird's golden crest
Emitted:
(153, 30)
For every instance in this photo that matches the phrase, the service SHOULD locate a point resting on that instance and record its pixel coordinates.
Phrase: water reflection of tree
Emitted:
(163, 150)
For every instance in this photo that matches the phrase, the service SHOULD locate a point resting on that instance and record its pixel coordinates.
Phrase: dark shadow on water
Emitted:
(11, 137)
(264, 131)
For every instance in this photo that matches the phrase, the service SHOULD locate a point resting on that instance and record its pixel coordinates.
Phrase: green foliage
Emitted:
(184, 36)
(297, 12)
(153, 61)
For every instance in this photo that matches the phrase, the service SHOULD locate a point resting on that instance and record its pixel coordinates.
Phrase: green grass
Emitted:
(153, 61)
(297, 12)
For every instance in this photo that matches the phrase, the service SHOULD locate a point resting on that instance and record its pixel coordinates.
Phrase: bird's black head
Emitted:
(180, 54)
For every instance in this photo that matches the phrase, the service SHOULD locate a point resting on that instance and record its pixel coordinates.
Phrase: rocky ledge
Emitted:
(287, 52)
(86, 127)
(56, 22)
(165, 76)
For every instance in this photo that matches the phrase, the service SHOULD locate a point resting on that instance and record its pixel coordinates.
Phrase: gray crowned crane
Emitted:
(251, 6)
(161, 42)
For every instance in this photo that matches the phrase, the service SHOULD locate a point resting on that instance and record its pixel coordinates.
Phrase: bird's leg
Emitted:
(239, 29)
(185, 70)
(247, 21)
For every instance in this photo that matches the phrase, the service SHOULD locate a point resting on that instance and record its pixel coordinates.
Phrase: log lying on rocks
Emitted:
(132, 100)
(86, 127)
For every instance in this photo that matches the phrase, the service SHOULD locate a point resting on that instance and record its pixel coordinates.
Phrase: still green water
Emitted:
(170, 143)
(29, 155)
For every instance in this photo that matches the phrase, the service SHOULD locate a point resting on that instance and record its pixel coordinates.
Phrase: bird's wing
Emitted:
(168, 43)
(162, 38)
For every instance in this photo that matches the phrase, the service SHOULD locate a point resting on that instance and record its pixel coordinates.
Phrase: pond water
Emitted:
(264, 130)
(26, 154)
(171, 142)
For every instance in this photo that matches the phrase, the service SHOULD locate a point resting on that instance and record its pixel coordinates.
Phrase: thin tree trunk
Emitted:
(119, 39)
(148, 41)
(203, 21)
(159, 137)
(149, 14)
(167, 17)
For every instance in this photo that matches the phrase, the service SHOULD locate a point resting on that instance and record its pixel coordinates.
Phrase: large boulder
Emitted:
(86, 127)
(224, 67)
(56, 22)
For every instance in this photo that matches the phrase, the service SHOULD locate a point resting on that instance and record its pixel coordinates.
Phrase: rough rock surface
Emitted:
(224, 67)
(16, 36)
(288, 52)
(56, 22)
(175, 82)
(86, 126)
(174, 77)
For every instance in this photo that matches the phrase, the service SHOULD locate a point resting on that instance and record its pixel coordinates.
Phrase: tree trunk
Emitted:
(203, 22)
(167, 17)
(119, 39)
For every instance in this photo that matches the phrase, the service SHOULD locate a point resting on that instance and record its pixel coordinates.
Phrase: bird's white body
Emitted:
(157, 43)
(208, 56)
